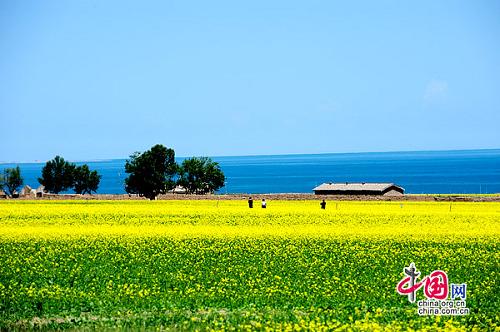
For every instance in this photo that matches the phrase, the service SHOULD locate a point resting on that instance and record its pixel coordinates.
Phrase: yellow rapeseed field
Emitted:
(220, 265)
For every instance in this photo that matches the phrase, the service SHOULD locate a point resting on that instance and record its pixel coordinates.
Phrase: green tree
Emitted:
(85, 181)
(57, 175)
(200, 175)
(12, 179)
(151, 172)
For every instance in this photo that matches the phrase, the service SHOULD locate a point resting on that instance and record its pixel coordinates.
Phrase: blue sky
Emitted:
(102, 79)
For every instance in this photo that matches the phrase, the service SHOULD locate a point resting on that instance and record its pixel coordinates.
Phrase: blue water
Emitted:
(446, 172)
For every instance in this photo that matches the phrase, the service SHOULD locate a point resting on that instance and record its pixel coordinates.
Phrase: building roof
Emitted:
(26, 190)
(346, 186)
(178, 190)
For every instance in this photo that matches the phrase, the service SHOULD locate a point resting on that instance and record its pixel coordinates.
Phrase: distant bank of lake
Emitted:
(436, 172)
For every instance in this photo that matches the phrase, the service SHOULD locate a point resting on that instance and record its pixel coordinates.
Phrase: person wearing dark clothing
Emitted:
(323, 204)
(264, 204)
(250, 203)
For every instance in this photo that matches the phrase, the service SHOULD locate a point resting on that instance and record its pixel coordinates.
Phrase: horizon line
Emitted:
(265, 155)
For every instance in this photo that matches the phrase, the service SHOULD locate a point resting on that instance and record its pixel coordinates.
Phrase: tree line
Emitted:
(151, 173)
(155, 172)
(58, 175)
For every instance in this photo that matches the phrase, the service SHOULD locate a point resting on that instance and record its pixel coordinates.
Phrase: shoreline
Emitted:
(280, 196)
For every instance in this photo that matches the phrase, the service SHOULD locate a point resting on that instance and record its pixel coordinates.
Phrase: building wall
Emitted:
(347, 192)
(393, 192)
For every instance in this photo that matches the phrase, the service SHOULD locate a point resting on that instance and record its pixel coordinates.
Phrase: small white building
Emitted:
(178, 190)
(40, 191)
(26, 191)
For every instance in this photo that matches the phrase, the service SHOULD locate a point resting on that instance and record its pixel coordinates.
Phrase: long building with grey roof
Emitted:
(362, 188)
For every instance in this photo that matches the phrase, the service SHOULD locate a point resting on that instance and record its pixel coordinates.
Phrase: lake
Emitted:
(444, 172)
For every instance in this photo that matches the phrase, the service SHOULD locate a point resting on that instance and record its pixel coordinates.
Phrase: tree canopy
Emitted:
(57, 175)
(85, 181)
(200, 175)
(151, 172)
(11, 179)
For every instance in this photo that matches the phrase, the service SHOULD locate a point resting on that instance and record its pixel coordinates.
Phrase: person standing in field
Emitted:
(264, 204)
(323, 205)
(250, 202)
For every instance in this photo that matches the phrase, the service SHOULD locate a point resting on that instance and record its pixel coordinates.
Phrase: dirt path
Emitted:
(290, 196)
